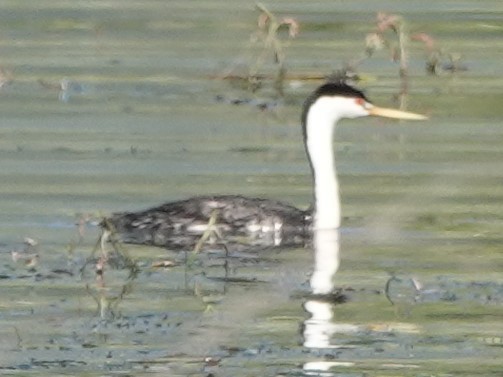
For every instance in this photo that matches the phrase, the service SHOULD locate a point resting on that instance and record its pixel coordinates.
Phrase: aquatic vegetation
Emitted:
(390, 33)
(267, 40)
(397, 45)
(437, 57)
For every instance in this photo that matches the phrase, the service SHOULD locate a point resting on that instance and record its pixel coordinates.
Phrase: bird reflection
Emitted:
(319, 328)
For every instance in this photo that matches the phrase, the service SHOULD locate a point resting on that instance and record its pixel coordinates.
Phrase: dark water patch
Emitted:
(254, 149)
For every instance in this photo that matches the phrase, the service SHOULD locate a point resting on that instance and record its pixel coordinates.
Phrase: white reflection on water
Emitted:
(319, 328)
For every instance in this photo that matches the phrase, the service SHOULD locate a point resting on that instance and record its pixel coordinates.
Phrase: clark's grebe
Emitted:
(261, 222)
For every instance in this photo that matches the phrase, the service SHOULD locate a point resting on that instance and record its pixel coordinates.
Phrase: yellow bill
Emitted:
(396, 114)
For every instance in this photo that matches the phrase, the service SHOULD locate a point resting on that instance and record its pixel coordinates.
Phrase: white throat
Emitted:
(320, 126)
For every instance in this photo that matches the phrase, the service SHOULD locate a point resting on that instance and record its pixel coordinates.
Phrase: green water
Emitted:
(420, 200)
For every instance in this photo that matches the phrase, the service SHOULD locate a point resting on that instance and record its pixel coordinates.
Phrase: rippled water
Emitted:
(142, 122)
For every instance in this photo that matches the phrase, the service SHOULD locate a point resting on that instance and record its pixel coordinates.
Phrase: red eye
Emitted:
(360, 101)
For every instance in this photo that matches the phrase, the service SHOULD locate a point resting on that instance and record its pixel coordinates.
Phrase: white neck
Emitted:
(320, 125)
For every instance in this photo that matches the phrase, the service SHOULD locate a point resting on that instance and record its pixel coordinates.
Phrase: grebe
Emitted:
(261, 222)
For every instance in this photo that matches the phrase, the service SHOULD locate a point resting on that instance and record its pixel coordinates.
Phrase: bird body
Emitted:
(230, 218)
(262, 222)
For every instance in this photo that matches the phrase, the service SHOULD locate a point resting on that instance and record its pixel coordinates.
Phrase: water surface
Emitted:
(141, 125)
